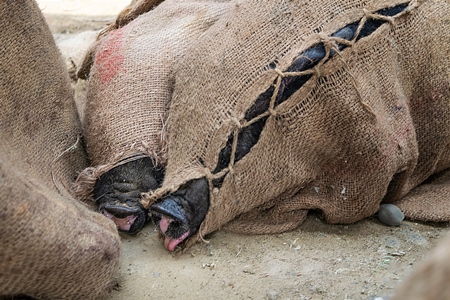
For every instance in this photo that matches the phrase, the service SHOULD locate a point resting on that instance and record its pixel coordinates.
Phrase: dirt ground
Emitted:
(365, 260)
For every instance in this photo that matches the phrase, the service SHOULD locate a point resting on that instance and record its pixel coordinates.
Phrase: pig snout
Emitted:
(118, 193)
(128, 219)
(180, 214)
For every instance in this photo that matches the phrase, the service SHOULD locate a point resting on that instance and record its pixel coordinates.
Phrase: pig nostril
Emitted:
(170, 208)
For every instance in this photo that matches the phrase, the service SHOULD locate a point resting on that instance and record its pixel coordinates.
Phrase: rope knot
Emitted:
(317, 71)
(279, 72)
(238, 124)
(272, 112)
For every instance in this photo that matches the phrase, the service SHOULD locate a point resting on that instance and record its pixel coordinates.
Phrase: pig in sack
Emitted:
(130, 72)
(285, 107)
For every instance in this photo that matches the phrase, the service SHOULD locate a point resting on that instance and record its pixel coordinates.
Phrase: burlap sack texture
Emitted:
(128, 14)
(131, 72)
(52, 246)
(369, 126)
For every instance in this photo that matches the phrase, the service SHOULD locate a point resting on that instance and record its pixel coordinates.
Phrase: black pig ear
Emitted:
(170, 207)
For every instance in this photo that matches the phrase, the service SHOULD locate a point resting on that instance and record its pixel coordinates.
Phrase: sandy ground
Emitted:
(365, 260)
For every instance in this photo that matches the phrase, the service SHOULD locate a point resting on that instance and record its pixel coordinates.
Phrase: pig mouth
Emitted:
(172, 223)
(170, 243)
(129, 220)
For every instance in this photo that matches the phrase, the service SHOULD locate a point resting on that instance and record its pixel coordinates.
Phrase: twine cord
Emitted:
(71, 148)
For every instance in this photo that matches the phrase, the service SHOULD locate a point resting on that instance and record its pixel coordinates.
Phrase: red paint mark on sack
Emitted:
(109, 58)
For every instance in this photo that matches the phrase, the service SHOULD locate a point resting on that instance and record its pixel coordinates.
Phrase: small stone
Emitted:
(272, 295)
(390, 215)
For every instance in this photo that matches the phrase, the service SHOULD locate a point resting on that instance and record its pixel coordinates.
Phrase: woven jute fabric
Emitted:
(52, 246)
(131, 75)
(369, 125)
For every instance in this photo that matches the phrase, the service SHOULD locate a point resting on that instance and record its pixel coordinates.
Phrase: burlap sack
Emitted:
(52, 246)
(131, 81)
(368, 125)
